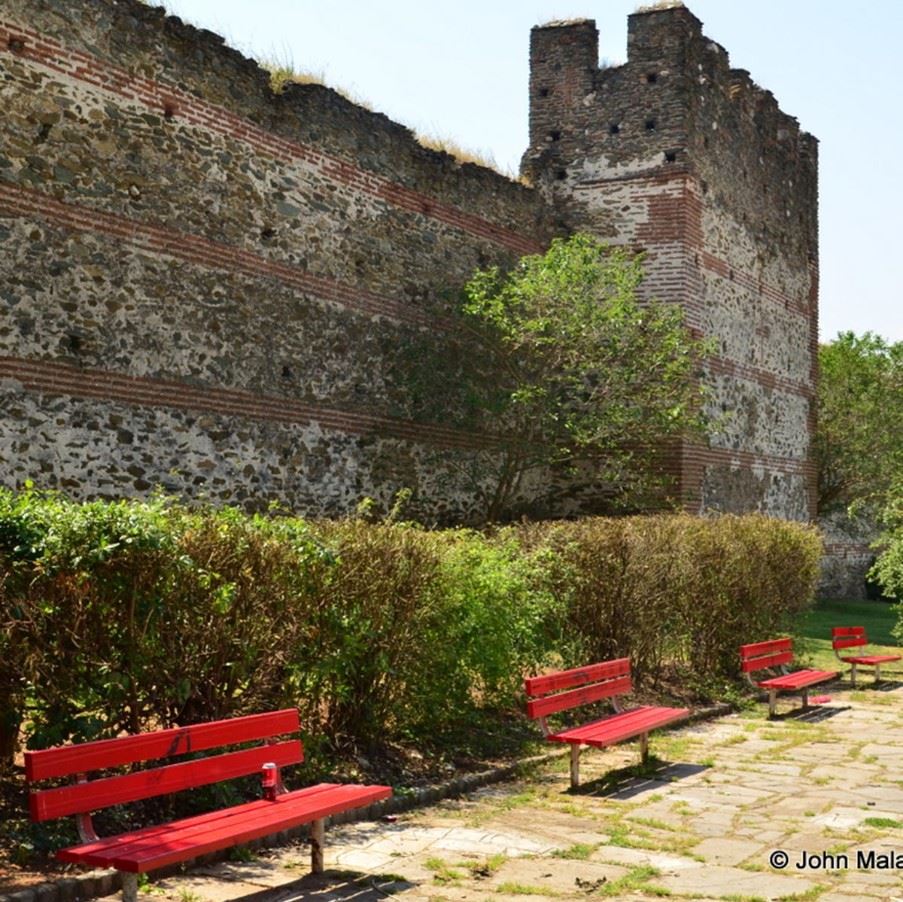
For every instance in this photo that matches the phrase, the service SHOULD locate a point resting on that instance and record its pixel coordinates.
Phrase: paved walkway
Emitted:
(826, 790)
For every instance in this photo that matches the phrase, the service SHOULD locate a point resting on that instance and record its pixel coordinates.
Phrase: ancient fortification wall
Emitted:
(223, 290)
(678, 154)
(250, 296)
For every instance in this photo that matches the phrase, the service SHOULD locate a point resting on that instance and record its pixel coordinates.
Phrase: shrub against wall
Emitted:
(678, 589)
(888, 568)
(133, 615)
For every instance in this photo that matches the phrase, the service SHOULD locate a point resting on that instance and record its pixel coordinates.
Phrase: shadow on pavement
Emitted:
(815, 714)
(332, 886)
(629, 782)
(884, 685)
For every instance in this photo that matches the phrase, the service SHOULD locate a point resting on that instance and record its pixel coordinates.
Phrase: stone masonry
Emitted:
(679, 155)
(250, 297)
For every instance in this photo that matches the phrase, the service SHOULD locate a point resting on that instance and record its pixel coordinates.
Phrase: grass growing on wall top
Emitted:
(283, 72)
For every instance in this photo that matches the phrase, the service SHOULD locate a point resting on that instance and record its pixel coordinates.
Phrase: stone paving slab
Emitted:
(729, 851)
(702, 827)
(717, 882)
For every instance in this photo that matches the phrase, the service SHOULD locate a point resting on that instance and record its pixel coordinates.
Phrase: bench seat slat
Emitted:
(769, 647)
(540, 707)
(182, 840)
(86, 797)
(104, 753)
(798, 680)
(870, 660)
(106, 845)
(618, 727)
(777, 659)
(848, 631)
(851, 642)
(576, 676)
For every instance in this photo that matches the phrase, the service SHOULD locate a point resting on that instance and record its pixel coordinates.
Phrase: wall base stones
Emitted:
(848, 556)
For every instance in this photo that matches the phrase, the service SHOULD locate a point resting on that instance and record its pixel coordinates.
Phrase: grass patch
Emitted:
(809, 896)
(461, 154)
(283, 72)
(788, 736)
(491, 807)
(575, 810)
(884, 823)
(673, 748)
(636, 880)
(877, 617)
(631, 835)
(654, 823)
(513, 888)
(443, 873)
(580, 851)
(488, 866)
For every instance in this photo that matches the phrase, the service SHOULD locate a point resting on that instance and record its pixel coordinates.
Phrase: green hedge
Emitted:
(133, 615)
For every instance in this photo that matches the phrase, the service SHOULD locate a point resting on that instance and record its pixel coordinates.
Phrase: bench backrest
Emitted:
(579, 686)
(80, 759)
(759, 655)
(848, 637)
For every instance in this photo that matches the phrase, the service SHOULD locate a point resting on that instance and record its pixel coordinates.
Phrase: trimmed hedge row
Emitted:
(133, 615)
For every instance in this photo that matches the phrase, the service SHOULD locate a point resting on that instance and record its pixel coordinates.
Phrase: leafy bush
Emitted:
(137, 615)
(676, 588)
(126, 615)
(887, 570)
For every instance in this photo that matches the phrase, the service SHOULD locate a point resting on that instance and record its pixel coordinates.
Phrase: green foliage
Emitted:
(676, 588)
(888, 569)
(859, 442)
(125, 614)
(878, 620)
(585, 377)
(136, 615)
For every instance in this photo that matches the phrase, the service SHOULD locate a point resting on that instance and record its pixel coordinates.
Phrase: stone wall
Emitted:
(679, 155)
(228, 292)
(251, 297)
(849, 554)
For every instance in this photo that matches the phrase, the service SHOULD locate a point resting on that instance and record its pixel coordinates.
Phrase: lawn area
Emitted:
(878, 618)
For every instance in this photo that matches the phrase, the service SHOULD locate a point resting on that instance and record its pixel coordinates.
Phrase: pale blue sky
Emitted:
(460, 70)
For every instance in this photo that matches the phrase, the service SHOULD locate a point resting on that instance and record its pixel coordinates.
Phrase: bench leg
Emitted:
(772, 702)
(877, 673)
(805, 699)
(317, 838)
(575, 765)
(129, 886)
(644, 748)
(853, 675)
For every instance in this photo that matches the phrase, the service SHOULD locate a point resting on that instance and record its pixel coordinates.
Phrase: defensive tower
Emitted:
(680, 155)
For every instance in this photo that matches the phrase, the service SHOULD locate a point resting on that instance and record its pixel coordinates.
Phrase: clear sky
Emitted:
(459, 70)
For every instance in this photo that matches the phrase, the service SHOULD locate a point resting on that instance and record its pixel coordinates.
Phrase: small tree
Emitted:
(585, 377)
(859, 442)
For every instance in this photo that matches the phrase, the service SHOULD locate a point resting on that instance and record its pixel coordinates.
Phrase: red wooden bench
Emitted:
(852, 637)
(779, 653)
(583, 685)
(155, 847)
